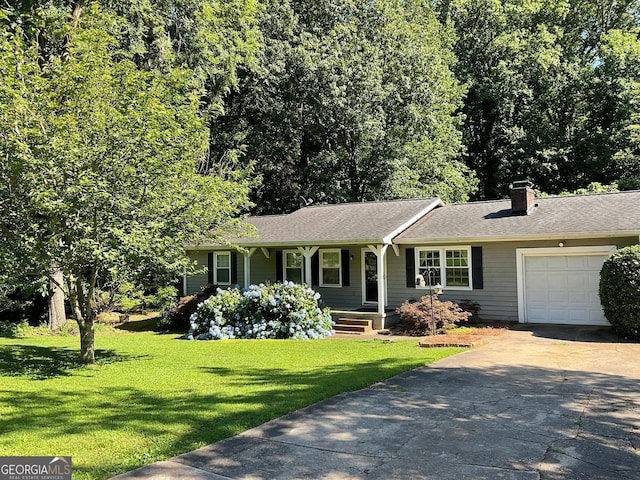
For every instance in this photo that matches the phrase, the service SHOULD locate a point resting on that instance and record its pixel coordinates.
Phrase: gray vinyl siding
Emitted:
(498, 299)
(263, 269)
(346, 297)
(201, 279)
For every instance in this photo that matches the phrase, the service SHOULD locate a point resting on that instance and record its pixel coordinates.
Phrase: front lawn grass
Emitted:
(153, 396)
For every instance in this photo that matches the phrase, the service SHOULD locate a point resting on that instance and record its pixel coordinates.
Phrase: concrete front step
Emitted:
(353, 325)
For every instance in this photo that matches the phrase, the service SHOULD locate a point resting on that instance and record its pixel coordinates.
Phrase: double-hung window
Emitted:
(293, 262)
(448, 266)
(330, 268)
(222, 268)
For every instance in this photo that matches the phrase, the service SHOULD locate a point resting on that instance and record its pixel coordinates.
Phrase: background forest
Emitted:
(351, 100)
(131, 127)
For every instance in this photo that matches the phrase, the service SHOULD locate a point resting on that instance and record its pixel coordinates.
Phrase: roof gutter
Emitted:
(289, 244)
(517, 238)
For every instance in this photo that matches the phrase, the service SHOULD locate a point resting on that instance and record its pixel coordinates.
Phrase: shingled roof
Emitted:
(347, 223)
(600, 215)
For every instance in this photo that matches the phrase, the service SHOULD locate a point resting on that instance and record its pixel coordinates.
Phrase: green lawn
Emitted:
(154, 396)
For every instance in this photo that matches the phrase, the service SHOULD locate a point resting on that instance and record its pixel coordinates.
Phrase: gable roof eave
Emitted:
(389, 238)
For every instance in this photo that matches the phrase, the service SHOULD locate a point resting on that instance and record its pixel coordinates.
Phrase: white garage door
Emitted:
(563, 289)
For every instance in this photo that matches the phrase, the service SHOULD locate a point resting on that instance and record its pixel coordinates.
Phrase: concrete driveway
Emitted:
(542, 402)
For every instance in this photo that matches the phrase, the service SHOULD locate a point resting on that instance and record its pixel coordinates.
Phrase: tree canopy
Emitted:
(551, 90)
(98, 163)
(350, 100)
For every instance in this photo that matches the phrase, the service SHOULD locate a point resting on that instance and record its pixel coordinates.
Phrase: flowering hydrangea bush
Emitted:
(281, 310)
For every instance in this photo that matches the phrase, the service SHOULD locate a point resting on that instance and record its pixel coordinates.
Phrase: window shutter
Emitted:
(411, 267)
(346, 257)
(279, 266)
(476, 266)
(234, 268)
(315, 269)
(210, 264)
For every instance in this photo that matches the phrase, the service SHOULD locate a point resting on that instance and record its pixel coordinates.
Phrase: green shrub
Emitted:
(13, 329)
(416, 316)
(163, 300)
(620, 291)
(129, 298)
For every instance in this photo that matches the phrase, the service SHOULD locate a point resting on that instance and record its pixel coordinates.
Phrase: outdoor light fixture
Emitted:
(437, 289)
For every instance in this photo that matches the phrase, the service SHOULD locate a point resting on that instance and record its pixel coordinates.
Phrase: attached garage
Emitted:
(560, 285)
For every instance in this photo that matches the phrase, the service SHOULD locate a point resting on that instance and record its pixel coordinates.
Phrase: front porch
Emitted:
(363, 319)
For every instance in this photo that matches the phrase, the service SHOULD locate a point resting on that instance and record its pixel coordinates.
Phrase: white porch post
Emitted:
(307, 253)
(381, 251)
(247, 267)
(184, 282)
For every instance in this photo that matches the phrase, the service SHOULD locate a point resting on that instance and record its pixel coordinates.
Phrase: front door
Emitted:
(370, 275)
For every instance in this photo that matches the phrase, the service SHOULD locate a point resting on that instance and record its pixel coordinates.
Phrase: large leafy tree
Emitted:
(98, 163)
(351, 100)
(538, 75)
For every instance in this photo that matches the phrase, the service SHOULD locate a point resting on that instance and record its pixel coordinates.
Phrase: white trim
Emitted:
(518, 238)
(381, 271)
(521, 253)
(184, 282)
(396, 249)
(215, 267)
(247, 267)
(443, 265)
(265, 251)
(363, 279)
(307, 253)
(321, 268)
(284, 265)
(388, 239)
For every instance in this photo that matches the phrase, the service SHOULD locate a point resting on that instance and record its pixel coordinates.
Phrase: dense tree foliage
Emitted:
(98, 162)
(351, 100)
(130, 126)
(552, 90)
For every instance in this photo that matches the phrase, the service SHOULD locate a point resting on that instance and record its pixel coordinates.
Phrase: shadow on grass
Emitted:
(432, 398)
(41, 363)
(146, 325)
(150, 325)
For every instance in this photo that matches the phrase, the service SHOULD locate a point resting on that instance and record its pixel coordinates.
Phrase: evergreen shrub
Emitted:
(620, 291)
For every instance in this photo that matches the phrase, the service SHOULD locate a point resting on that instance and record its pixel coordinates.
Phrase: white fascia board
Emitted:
(514, 238)
(247, 245)
(388, 239)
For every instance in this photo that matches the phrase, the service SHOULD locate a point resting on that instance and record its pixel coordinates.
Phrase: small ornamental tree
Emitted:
(99, 165)
(620, 291)
(416, 316)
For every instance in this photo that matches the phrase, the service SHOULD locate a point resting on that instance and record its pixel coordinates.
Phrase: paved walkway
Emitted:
(545, 403)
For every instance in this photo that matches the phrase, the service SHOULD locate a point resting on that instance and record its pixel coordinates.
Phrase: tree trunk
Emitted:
(57, 316)
(87, 342)
(81, 305)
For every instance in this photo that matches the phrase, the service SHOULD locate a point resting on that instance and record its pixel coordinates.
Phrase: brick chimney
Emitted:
(523, 198)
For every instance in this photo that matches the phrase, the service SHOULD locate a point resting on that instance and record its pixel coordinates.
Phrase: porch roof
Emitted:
(345, 223)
